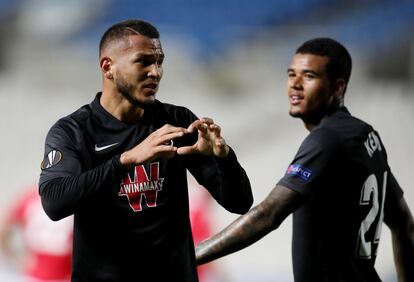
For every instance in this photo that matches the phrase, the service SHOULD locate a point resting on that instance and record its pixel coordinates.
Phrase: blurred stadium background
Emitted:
(224, 59)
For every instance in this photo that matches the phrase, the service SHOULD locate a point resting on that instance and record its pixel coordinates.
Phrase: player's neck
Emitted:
(313, 120)
(121, 109)
(309, 126)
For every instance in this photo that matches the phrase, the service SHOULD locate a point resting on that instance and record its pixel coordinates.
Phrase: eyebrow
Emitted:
(149, 55)
(304, 71)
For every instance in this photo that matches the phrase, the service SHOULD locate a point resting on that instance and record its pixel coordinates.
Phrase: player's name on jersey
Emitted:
(372, 143)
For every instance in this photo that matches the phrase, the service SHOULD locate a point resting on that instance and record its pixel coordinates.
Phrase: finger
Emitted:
(207, 120)
(167, 128)
(199, 125)
(193, 125)
(187, 150)
(166, 149)
(168, 138)
(216, 130)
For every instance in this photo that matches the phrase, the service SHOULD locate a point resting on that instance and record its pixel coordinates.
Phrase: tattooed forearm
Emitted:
(246, 230)
(250, 227)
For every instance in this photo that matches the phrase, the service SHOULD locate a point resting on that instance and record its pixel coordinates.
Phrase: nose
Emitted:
(155, 71)
(295, 82)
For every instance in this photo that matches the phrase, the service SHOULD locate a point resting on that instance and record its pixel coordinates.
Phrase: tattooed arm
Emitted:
(252, 226)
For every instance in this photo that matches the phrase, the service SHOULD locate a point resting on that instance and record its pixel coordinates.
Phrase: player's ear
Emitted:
(339, 88)
(106, 67)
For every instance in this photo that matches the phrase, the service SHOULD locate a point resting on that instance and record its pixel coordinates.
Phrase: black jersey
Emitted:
(341, 168)
(131, 225)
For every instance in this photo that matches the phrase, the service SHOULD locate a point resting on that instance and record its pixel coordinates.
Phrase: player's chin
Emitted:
(293, 112)
(149, 100)
(143, 102)
(148, 96)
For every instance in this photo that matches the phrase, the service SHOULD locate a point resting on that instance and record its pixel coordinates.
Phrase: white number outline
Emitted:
(363, 247)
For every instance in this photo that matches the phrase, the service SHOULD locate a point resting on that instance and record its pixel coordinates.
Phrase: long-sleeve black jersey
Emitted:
(131, 225)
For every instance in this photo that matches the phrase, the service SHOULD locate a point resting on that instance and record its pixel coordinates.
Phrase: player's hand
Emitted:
(210, 142)
(158, 144)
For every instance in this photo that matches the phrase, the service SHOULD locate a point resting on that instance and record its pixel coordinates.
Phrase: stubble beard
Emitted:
(127, 89)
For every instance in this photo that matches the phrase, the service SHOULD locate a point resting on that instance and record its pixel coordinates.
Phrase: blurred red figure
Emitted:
(46, 253)
(200, 217)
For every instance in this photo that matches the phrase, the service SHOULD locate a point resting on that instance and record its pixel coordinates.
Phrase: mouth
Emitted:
(295, 99)
(152, 86)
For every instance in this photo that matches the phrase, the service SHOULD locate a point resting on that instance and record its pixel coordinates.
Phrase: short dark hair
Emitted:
(339, 63)
(127, 28)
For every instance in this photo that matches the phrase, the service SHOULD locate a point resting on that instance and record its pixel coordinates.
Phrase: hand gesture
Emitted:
(157, 145)
(210, 142)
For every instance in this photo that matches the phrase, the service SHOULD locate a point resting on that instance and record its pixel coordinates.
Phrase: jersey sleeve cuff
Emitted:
(229, 159)
(119, 168)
